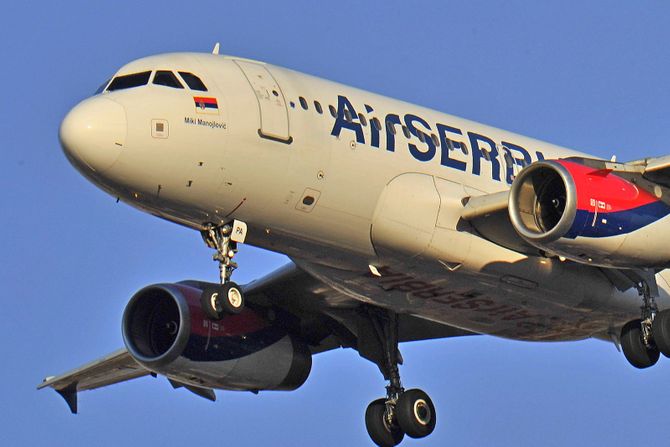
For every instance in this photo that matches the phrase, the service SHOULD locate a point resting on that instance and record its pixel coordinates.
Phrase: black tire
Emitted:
(217, 301)
(634, 349)
(415, 413)
(210, 303)
(661, 331)
(379, 430)
(232, 301)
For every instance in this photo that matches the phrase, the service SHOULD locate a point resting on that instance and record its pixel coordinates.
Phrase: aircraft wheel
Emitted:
(634, 349)
(661, 331)
(415, 413)
(381, 432)
(220, 300)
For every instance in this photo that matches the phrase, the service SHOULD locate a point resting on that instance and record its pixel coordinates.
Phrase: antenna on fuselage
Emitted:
(216, 48)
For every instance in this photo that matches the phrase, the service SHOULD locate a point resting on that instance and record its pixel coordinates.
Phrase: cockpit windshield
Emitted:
(165, 78)
(102, 87)
(129, 81)
(193, 81)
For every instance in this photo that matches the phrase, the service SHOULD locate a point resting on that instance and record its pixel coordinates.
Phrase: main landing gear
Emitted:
(402, 412)
(226, 298)
(643, 340)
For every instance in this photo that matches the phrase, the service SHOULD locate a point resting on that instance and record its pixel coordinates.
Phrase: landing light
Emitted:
(374, 270)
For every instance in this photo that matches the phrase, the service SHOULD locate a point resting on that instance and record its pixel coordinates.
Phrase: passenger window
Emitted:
(405, 130)
(318, 108)
(391, 127)
(193, 82)
(347, 116)
(333, 112)
(436, 141)
(361, 118)
(303, 102)
(129, 81)
(167, 78)
(376, 124)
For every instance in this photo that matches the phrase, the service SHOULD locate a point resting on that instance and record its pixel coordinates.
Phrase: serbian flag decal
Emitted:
(206, 105)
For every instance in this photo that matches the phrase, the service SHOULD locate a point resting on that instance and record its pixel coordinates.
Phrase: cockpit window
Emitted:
(102, 87)
(129, 81)
(193, 81)
(167, 78)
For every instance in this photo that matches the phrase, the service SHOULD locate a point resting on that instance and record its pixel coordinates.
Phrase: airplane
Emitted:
(401, 223)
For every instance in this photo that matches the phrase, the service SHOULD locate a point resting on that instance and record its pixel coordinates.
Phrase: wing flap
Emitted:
(657, 164)
(654, 169)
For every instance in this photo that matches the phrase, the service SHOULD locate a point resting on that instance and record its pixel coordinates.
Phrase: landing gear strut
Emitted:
(409, 412)
(226, 298)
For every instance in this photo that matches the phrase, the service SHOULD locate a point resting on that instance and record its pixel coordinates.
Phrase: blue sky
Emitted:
(589, 75)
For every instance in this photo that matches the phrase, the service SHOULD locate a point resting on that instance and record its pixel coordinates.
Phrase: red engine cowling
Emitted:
(589, 215)
(165, 330)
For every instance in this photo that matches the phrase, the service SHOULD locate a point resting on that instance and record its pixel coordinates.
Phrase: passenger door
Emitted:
(271, 102)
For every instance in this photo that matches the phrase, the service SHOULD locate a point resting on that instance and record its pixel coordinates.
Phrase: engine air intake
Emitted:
(153, 324)
(542, 202)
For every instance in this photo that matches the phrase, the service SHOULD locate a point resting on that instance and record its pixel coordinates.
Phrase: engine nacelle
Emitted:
(166, 331)
(589, 215)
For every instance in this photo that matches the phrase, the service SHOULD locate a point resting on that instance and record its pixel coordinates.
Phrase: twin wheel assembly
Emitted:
(217, 301)
(413, 414)
(644, 340)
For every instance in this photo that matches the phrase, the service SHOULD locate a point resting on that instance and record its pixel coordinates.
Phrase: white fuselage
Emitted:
(340, 193)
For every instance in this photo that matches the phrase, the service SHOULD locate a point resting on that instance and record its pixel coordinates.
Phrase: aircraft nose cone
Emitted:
(93, 133)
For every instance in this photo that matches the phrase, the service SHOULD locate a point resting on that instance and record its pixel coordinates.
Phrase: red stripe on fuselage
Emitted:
(604, 190)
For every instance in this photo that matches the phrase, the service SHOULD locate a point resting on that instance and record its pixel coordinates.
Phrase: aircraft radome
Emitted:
(402, 223)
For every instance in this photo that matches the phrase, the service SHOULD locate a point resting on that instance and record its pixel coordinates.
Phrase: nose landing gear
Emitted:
(402, 412)
(226, 298)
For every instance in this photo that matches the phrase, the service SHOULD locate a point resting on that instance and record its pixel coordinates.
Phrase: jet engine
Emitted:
(589, 215)
(166, 331)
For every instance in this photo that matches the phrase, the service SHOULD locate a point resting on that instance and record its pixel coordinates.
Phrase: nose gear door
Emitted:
(271, 103)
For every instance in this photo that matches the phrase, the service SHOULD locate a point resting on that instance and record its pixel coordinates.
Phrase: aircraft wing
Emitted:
(656, 169)
(323, 317)
(328, 318)
(116, 367)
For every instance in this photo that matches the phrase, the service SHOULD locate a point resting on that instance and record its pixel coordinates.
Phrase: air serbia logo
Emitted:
(206, 105)
(453, 147)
